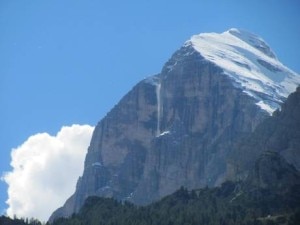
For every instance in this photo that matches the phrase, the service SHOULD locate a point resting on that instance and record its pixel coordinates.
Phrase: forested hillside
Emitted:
(227, 205)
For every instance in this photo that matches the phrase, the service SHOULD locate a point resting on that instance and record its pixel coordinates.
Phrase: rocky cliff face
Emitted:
(177, 128)
(115, 160)
(202, 115)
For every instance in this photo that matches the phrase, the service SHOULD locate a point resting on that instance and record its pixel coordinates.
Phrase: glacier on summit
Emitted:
(251, 63)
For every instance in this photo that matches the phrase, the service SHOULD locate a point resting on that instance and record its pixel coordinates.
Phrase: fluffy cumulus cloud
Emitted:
(44, 172)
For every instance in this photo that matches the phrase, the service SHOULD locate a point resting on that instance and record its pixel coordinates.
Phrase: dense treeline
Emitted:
(229, 204)
(8, 221)
(226, 205)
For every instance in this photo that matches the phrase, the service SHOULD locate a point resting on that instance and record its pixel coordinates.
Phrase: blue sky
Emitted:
(65, 62)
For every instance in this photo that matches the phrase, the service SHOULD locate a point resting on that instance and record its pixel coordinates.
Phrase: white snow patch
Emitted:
(97, 164)
(164, 133)
(153, 80)
(105, 188)
(170, 67)
(249, 61)
(266, 107)
(129, 196)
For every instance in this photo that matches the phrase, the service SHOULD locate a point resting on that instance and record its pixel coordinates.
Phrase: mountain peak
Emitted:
(179, 127)
(250, 62)
(253, 40)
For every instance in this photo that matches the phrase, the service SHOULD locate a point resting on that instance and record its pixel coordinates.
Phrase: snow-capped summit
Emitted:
(253, 40)
(251, 63)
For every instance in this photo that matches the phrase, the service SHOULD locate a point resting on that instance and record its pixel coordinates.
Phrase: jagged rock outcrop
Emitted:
(177, 128)
(272, 184)
(273, 173)
(279, 133)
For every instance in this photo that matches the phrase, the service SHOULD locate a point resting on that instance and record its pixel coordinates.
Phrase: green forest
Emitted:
(229, 204)
(225, 205)
(8, 221)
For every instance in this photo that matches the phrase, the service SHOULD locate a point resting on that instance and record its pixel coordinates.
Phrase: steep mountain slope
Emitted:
(178, 128)
(279, 133)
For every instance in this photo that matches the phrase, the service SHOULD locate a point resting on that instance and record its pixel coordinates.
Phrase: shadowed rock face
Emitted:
(279, 133)
(272, 183)
(173, 129)
(271, 171)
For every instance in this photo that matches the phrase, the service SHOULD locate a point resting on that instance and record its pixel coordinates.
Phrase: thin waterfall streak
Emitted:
(158, 100)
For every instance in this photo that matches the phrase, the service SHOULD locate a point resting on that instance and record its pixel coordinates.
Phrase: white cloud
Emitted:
(45, 170)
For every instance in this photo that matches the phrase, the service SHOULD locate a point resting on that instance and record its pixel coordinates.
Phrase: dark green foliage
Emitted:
(226, 205)
(8, 221)
(229, 204)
